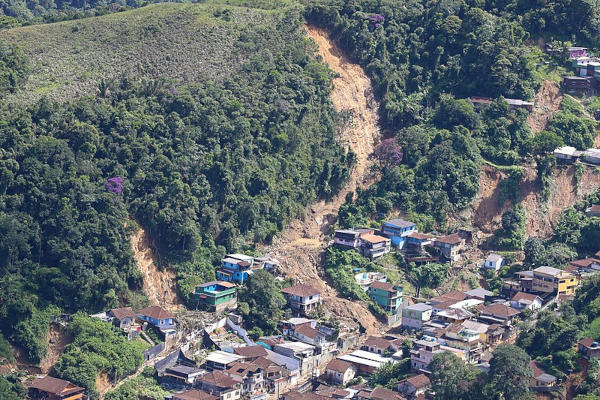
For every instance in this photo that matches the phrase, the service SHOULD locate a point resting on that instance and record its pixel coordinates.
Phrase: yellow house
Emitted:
(553, 280)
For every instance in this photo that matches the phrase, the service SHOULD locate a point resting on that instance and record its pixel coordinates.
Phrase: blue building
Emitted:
(160, 318)
(398, 230)
(235, 268)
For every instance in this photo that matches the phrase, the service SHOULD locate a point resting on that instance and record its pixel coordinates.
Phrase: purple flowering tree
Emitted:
(114, 185)
(376, 19)
(388, 154)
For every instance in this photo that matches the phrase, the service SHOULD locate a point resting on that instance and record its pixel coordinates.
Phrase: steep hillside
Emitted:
(185, 42)
(300, 247)
(541, 217)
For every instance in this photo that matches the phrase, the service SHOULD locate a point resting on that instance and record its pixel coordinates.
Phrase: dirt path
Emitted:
(159, 284)
(547, 102)
(300, 246)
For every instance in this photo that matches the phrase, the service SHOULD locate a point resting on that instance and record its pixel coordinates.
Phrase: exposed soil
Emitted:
(159, 284)
(103, 384)
(541, 217)
(57, 339)
(300, 246)
(547, 102)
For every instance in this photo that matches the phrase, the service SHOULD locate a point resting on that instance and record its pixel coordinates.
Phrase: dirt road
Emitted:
(300, 246)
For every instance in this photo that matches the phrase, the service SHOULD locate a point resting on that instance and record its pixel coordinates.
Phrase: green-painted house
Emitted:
(387, 295)
(215, 296)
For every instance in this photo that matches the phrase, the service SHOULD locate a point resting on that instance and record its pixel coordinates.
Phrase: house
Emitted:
(397, 230)
(552, 280)
(49, 388)
(216, 296)
(526, 301)
(579, 84)
(458, 336)
(124, 318)
(387, 295)
(584, 266)
(413, 317)
(275, 376)
(541, 381)
(479, 294)
(302, 299)
(380, 345)
(591, 156)
(498, 313)
(347, 238)
(451, 297)
(418, 240)
(479, 327)
(288, 326)
(414, 386)
(219, 360)
(160, 318)
(379, 393)
(494, 261)
(454, 315)
(250, 374)
(221, 385)
(425, 349)
(576, 52)
(340, 372)
(192, 395)
(449, 246)
(588, 348)
(307, 334)
(250, 353)
(181, 375)
(303, 353)
(593, 211)
(566, 154)
(364, 279)
(366, 362)
(374, 246)
(235, 268)
(495, 333)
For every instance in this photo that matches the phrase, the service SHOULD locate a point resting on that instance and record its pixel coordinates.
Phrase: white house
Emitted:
(526, 301)
(340, 372)
(567, 154)
(592, 156)
(494, 261)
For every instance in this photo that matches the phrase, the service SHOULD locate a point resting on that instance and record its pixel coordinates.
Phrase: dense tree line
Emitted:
(204, 167)
(13, 68)
(98, 347)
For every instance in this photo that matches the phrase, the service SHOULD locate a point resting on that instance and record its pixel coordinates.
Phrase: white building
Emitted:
(494, 261)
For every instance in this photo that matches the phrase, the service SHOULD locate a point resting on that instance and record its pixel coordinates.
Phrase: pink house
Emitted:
(576, 52)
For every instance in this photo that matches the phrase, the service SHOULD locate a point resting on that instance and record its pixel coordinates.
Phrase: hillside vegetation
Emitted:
(204, 166)
(186, 42)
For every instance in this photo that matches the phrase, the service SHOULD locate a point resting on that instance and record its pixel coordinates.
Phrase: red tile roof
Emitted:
(121, 313)
(367, 237)
(388, 287)
(380, 393)
(308, 331)
(251, 351)
(156, 312)
(194, 395)
(338, 365)
(453, 239)
(301, 290)
(419, 381)
(529, 297)
(586, 342)
(55, 386)
(218, 379)
(419, 236)
(500, 310)
(377, 342)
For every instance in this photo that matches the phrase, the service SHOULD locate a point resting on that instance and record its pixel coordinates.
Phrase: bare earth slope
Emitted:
(300, 246)
(159, 285)
(547, 102)
(541, 217)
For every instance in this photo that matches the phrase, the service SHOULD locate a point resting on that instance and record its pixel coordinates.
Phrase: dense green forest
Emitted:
(202, 166)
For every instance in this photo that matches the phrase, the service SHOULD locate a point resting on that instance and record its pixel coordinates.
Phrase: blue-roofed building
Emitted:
(398, 230)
